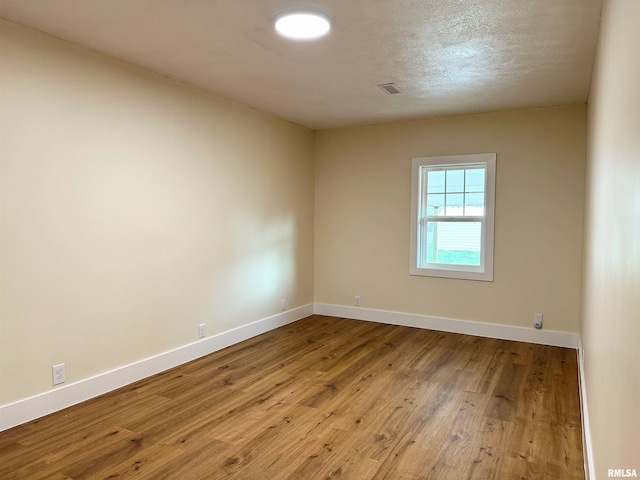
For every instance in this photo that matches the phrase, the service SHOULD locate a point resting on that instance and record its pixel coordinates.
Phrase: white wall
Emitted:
(362, 216)
(133, 209)
(610, 327)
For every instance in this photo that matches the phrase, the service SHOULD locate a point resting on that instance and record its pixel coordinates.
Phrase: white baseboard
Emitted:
(56, 399)
(30, 408)
(587, 449)
(480, 329)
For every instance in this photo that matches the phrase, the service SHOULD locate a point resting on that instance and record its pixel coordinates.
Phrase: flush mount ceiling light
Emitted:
(302, 24)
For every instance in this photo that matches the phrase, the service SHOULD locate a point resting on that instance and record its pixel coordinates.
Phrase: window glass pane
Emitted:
(429, 244)
(475, 180)
(454, 204)
(435, 204)
(435, 181)
(474, 204)
(455, 181)
(454, 243)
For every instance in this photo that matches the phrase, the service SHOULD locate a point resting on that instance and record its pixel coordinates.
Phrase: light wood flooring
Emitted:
(325, 398)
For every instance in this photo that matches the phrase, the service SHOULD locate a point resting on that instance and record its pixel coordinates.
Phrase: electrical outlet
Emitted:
(537, 320)
(201, 330)
(58, 374)
(357, 301)
(282, 305)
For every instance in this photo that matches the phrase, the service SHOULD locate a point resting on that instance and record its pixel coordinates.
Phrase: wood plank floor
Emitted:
(325, 398)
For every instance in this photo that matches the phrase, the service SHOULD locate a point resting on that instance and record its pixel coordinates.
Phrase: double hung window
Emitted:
(452, 216)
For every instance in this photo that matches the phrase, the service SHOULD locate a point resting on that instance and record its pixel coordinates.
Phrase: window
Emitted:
(452, 210)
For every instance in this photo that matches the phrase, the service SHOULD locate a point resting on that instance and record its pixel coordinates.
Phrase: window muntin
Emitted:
(452, 216)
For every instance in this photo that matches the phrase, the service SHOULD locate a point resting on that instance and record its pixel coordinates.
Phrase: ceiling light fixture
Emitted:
(302, 25)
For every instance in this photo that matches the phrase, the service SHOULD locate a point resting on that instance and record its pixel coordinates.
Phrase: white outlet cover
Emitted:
(58, 373)
(537, 320)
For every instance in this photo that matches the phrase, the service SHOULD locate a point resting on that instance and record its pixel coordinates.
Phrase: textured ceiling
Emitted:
(448, 56)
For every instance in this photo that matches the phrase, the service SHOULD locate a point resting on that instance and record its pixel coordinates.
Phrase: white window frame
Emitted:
(484, 272)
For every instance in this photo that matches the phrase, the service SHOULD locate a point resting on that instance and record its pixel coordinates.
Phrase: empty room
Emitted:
(317, 239)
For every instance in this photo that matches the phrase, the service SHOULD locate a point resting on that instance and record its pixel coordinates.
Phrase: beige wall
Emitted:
(133, 209)
(362, 216)
(610, 327)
